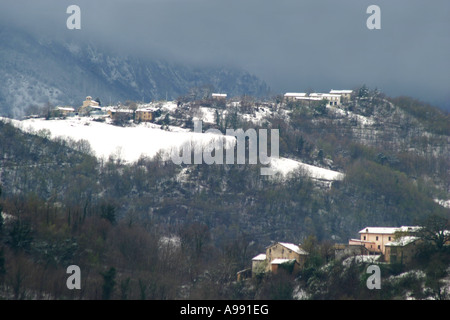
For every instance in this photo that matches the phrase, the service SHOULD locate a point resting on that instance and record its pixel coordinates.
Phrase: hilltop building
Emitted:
(279, 255)
(401, 250)
(375, 239)
(88, 106)
(65, 111)
(334, 98)
(292, 96)
(345, 94)
(145, 115)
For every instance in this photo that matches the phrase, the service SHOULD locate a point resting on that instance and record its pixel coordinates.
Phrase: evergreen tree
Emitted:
(109, 283)
(2, 264)
(363, 92)
(1, 215)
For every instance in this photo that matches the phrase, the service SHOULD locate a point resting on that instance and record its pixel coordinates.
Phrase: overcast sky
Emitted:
(293, 45)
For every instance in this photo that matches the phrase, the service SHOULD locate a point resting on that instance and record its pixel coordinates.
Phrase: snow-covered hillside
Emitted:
(130, 143)
(148, 139)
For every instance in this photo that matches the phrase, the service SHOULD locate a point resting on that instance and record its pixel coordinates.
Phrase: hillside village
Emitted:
(220, 154)
(145, 112)
(336, 105)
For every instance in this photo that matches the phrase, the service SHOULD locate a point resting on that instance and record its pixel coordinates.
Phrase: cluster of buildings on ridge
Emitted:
(334, 97)
(92, 107)
(380, 244)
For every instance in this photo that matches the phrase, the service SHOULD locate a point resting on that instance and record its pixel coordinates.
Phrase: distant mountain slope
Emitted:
(37, 71)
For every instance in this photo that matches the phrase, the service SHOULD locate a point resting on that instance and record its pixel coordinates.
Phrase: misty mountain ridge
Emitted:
(36, 71)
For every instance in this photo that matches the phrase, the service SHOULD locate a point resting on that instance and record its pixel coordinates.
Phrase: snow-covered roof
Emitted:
(389, 230)
(403, 241)
(329, 95)
(260, 257)
(65, 108)
(293, 247)
(295, 94)
(361, 241)
(379, 230)
(281, 261)
(147, 109)
(308, 98)
(122, 110)
(340, 91)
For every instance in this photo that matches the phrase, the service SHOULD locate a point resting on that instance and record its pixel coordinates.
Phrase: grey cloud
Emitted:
(292, 45)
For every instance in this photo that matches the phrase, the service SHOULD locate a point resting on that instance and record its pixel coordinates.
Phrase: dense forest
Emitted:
(156, 230)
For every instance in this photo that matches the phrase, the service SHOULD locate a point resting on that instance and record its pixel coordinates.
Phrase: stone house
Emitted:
(401, 250)
(278, 255)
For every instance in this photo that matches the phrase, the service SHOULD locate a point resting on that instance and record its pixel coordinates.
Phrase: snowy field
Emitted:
(147, 139)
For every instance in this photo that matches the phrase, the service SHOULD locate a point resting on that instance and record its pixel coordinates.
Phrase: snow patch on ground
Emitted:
(286, 166)
(444, 203)
(359, 259)
(258, 115)
(208, 115)
(362, 120)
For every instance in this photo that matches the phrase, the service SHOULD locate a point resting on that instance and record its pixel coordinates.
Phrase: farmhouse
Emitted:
(279, 255)
(375, 239)
(144, 115)
(292, 96)
(64, 111)
(120, 114)
(345, 94)
(401, 250)
(333, 99)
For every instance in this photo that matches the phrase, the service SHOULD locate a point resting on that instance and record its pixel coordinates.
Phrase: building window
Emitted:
(389, 238)
(377, 238)
(364, 237)
(379, 247)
